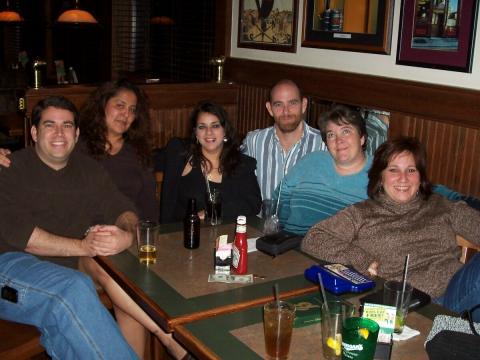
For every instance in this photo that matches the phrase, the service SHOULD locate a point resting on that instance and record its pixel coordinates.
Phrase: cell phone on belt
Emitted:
(9, 294)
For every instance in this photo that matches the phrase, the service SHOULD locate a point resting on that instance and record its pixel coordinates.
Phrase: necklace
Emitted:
(208, 175)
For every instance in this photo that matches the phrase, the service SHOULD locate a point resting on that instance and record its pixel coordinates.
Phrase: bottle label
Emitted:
(241, 228)
(236, 257)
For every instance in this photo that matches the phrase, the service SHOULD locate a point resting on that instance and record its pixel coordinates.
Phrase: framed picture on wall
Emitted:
(268, 24)
(353, 25)
(437, 34)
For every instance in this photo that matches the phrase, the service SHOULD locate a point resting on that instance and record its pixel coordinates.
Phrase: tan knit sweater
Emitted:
(386, 232)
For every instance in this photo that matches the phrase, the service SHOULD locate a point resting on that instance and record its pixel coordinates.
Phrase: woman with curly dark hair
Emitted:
(115, 130)
(211, 156)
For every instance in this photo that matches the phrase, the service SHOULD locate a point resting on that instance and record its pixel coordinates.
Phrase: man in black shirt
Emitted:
(50, 198)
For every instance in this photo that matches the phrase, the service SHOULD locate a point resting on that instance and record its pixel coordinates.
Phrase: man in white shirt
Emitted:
(279, 147)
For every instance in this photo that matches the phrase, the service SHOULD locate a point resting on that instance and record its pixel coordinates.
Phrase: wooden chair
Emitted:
(468, 249)
(158, 184)
(19, 341)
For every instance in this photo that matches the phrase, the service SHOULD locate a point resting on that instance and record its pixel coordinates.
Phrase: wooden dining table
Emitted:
(240, 335)
(175, 290)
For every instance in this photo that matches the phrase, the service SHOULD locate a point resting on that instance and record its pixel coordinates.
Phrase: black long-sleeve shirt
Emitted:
(240, 191)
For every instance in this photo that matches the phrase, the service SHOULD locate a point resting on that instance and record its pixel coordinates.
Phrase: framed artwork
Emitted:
(437, 34)
(268, 24)
(353, 25)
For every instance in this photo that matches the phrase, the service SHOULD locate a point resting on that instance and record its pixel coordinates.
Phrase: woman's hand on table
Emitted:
(373, 269)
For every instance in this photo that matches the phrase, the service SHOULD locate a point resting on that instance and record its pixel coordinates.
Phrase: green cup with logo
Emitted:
(359, 338)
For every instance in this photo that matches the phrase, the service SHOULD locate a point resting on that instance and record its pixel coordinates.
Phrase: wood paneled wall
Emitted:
(252, 113)
(452, 150)
(175, 122)
(445, 119)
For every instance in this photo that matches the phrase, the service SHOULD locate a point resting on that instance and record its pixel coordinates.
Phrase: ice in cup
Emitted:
(147, 232)
(271, 223)
(213, 211)
(333, 317)
(392, 295)
(278, 324)
(359, 338)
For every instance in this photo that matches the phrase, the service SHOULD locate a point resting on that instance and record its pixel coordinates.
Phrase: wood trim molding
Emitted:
(442, 103)
(223, 27)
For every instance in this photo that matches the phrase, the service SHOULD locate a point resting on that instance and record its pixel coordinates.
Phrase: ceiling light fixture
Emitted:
(77, 16)
(162, 20)
(9, 15)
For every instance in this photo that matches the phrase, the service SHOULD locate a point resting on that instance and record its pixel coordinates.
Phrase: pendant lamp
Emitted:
(9, 15)
(162, 20)
(77, 16)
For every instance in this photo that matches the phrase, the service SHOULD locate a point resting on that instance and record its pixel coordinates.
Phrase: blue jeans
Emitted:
(63, 304)
(463, 290)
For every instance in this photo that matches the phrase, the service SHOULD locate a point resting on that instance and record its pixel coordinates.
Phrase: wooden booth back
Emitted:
(445, 119)
(170, 104)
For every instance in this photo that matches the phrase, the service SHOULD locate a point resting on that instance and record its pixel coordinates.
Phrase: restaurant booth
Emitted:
(446, 121)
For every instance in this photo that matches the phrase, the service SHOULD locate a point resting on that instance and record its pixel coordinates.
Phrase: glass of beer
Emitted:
(278, 323)
(147, 232)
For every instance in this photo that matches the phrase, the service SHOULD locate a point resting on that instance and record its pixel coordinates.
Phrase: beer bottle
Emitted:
(191, 226)
(240, 246)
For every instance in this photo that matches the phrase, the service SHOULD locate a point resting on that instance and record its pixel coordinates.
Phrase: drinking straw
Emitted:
(279, 317)
(324, 295)
(404, 281)
(276, 294)
(278, 198)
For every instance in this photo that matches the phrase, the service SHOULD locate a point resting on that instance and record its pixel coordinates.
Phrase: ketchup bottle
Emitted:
(240, 245)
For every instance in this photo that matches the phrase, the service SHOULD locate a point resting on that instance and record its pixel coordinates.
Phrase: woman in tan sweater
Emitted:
(403, 217)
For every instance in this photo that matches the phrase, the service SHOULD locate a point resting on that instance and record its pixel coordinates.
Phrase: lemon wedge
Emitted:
(335, 344)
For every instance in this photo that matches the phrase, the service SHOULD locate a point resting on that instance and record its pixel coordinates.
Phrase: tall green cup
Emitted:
(359, 338)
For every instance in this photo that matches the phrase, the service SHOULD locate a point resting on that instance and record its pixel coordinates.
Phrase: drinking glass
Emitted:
(213, 211)
(359, 338)
(271, 224)
(394, 295)
(278, 324)
(333, 318)
(147, 233)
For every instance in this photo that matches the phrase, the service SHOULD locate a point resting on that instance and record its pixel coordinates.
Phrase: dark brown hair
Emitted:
(93, 128)
(343, 115)
(58, 102)
(386, 152)
(230, 156)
